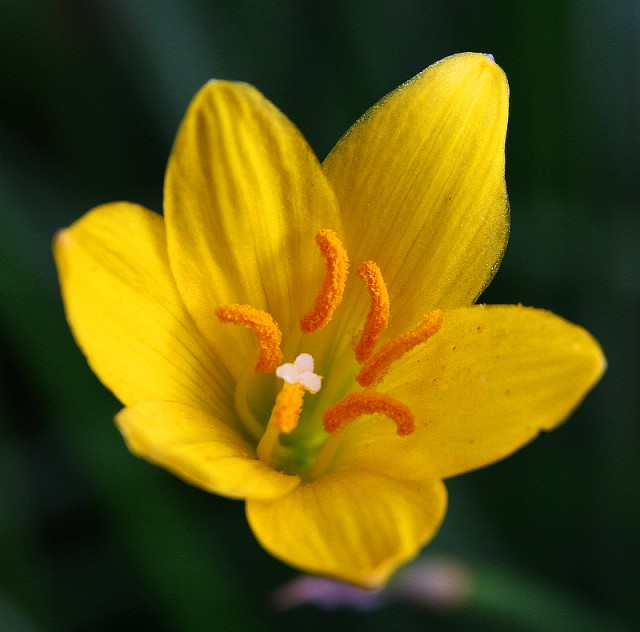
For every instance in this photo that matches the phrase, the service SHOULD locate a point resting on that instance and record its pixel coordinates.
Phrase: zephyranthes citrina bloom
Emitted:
(303, 336)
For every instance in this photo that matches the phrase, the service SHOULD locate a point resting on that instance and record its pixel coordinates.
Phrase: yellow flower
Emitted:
(254, 363)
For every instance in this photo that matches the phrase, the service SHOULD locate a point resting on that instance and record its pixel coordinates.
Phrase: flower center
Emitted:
(274, 447)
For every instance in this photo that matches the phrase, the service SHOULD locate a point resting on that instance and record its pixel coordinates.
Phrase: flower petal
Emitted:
(126, 314)
(244, 198)
(350, 524)
(371, 443)
(490, 380)
(200, 449)
(420, 182)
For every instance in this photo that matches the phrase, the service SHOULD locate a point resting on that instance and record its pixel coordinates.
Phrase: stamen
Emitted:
(375, 368)
(265, 329)
(288, 407)
(378, 316)
(337, 264)
(354, 405)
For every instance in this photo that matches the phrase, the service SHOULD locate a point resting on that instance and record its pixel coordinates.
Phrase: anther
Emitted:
(378, 316)
(337, 264)
(375, 368)
(354, 405)
(288, 408)
(265, 329)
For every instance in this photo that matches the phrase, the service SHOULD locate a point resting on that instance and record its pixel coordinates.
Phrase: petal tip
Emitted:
(61, 238)
(600, 360)
(483, 62)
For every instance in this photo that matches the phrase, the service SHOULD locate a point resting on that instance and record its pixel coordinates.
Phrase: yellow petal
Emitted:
(490, 380)
(371, 443)
(244, 198)
(197, 447)
(126, 315)
(350, 524)
(420, 182)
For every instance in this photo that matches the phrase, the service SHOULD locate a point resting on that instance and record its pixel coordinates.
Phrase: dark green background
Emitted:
(91, 94)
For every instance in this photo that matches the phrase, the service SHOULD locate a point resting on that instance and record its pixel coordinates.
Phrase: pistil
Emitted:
(298, 377)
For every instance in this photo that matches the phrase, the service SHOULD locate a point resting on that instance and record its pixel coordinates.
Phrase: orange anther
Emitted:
(378, 316)
(354, 405)
(288, 407)
(265, 329)
(337, 264)
(375, 368)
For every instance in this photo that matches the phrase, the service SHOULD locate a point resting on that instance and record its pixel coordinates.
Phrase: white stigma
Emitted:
(300, 372)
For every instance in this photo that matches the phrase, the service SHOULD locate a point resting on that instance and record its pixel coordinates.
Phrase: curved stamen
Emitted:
(375, 368)
(265, 329)
(337, 264)
(354, 405)
(378, 316)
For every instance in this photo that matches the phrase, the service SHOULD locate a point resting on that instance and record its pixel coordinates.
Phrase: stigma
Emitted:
(301, 372)
(298, 377)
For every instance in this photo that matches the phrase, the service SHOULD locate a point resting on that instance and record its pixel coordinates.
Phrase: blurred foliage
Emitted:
(92, 92)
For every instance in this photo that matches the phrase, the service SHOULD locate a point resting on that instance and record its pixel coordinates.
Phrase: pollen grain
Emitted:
(265, 329)
(330, 295)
